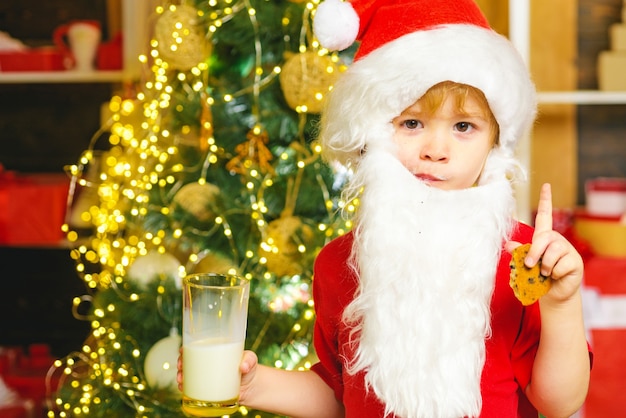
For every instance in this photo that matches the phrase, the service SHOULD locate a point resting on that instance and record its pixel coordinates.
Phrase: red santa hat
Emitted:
(406, 47)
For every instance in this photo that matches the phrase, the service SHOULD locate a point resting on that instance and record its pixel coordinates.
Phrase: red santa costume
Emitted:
(415, 318)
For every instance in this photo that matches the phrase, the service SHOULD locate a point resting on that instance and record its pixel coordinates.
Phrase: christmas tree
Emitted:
(210, 164)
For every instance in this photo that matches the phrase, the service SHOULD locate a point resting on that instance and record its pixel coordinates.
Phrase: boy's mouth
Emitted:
(428, 178)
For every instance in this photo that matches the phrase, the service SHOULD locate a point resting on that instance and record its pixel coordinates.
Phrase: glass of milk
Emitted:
(215, 313)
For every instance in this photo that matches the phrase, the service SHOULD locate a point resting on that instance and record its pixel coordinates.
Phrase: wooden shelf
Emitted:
(582, 97)
(61, 77)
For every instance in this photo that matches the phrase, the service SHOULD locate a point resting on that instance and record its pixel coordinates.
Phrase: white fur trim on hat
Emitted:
(336, 24)
(379, 86)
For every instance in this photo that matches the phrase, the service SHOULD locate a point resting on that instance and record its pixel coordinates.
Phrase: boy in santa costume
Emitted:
(415, 315)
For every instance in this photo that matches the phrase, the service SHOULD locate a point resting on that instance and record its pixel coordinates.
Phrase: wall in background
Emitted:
(570, 143)
(44, 127)
(601, 129)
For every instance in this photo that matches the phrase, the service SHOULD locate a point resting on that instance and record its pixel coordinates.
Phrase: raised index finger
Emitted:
(543, 220)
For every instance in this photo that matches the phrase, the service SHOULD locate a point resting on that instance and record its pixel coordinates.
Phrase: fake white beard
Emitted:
(427, 260)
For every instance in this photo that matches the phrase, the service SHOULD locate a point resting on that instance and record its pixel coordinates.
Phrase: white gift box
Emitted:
(611, 68)
(606, 196)
(617, 35)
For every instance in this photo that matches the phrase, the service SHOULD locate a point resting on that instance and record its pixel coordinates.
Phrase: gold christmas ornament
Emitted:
(212, 262)
(199, 199)
(180, 37)
(153, 265)
(285, 245)
(206, 124)
(305, 80)
(252, 153)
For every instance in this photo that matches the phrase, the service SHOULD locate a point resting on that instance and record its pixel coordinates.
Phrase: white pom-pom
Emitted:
(336, 24)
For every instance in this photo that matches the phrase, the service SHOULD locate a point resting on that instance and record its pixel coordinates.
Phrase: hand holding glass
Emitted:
(215, 311)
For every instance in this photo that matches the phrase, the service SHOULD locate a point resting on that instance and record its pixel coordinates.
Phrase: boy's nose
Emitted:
(434, 149)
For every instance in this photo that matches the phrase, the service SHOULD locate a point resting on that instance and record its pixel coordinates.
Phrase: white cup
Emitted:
(79, 41)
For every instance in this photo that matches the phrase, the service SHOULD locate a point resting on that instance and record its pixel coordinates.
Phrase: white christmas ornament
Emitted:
(160, 363)
(154, 264)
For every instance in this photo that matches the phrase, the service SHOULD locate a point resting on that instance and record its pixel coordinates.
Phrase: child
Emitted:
(415, 315)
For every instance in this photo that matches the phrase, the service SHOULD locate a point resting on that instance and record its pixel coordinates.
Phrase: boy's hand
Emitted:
(179, 368)
(559, 259)
(247, 367)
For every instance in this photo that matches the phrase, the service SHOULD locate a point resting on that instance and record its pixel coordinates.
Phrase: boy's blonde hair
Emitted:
(435, 96)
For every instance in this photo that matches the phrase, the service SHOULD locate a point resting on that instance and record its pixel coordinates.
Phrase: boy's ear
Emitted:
(496, 136)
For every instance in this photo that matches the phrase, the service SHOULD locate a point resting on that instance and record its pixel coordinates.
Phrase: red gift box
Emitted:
(34, 59)
(605, 277)
(32, 208)
(31, 379)
(22, 409)
(110, 56)
(606, 235)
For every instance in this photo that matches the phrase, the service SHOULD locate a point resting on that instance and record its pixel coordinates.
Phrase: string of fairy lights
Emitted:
(143, 158)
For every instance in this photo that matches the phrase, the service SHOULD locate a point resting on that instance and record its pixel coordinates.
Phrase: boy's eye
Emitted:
(463, 126)
(411, 123)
